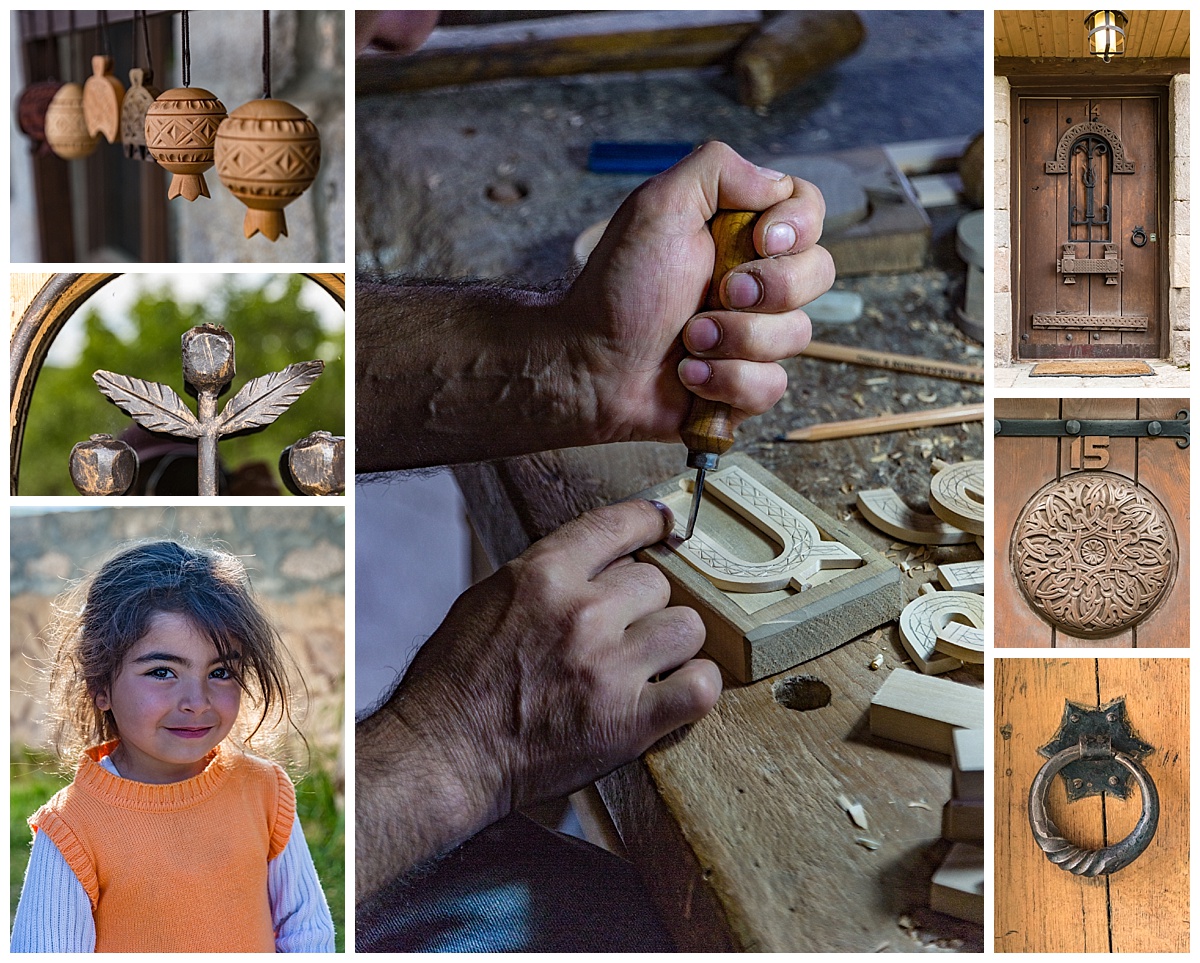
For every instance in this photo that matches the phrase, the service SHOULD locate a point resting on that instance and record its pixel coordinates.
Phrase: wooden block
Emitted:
(961, 576)
(884, 509)
(967, 764)
(962, 821)
(923, 621)
(957, 887)
(923, 711)
(776, 580)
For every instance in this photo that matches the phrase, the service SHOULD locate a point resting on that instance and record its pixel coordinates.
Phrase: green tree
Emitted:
(272, 329)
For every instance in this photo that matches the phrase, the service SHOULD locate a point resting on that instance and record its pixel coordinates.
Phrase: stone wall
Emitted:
(1002, 297)
(295, 557)
(1180, 302)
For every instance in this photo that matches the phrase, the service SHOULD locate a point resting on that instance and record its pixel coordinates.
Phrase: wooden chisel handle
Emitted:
(708, 427)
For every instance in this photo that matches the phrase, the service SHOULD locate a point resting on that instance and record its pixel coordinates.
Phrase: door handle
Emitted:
(1099, 752)
(1134, 238)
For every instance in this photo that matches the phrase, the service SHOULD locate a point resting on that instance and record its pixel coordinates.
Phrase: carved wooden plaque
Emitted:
(1093, 528)
(776, 580)
(1094, 553)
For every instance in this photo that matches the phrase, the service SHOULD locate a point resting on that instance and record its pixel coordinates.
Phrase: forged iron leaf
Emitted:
(153, 406)
(264, 399)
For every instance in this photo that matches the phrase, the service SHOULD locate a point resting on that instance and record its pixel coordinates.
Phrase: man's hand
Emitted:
(538, 682)
(646, 281)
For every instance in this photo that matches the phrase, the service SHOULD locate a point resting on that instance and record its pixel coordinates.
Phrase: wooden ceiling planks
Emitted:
(1059, 34)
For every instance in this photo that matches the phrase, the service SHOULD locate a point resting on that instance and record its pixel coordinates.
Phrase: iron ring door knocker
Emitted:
(1134, 238)
(1100, 752)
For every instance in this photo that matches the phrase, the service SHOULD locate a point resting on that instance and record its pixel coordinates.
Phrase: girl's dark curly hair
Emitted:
(108, 612)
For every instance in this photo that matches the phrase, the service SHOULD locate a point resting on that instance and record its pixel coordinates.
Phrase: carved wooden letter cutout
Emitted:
(775, 579)
(804, 553)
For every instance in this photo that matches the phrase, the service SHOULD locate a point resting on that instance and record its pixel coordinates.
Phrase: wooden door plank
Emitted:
(1039, 907)
(1165, 469)
(1149, 899)
(1069, 298)
(1022, 466)
(1039, 206)
(1122, 454)
(1139, 208)
(1105, 298)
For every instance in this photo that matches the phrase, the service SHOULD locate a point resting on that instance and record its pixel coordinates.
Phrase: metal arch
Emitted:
(31, 337)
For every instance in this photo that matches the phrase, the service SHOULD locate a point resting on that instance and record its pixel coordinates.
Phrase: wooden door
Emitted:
(1041, 908)
(1090, 237)
(1091, 529)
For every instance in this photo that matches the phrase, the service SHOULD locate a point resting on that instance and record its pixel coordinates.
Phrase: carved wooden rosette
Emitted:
(138, 98)
(181, 126)
(1094, 553)
(66, 130)
(31, 113)
(267, 153)
(102, 98)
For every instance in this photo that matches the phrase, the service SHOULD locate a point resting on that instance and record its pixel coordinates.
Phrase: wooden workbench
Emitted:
(734, 823)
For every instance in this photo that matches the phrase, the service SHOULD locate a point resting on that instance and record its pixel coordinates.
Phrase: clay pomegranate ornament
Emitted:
(181, 126)
(268, 154)
(66, 130)
(102, 97)
(31, 113)
(138, 98)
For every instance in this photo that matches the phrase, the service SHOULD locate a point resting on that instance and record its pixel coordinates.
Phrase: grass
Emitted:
(35, 778)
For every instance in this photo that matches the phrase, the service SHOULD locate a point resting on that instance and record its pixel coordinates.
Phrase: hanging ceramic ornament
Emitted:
(102, 97)
(181, 126)
(138, 98)
(33, 103)
(66, 130)
(267, 153)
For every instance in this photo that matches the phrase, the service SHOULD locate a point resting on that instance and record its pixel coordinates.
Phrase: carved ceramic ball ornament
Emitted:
(31, 112)
(66, 130)
(181, 126)
(267, 154)
(1094, 553)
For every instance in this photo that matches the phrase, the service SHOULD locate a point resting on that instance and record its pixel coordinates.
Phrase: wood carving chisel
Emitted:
(708, 430)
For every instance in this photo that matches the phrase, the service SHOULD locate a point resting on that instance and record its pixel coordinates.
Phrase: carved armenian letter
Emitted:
(775, 579)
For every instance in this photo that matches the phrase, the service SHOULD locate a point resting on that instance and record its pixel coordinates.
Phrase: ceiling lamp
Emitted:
(1106, 33)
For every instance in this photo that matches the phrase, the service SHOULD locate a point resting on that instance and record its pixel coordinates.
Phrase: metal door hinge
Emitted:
(1178, 428)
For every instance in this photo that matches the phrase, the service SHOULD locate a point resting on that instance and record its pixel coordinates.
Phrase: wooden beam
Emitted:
(1060, 67)
(558, 46)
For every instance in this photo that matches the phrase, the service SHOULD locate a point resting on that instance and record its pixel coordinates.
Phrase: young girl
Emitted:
(170, 838)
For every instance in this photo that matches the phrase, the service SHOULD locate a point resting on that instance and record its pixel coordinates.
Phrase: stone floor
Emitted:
(1166, 377)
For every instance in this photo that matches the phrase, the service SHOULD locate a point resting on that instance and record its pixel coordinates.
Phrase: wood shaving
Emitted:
(927, 396)
(858, 815)
(878, 381)
(867, 843)
(920, 804)
(878, 458)
(858, 399)
(876, 663)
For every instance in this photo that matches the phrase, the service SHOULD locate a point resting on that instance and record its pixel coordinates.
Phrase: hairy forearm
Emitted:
(450, 372)
(410, 806)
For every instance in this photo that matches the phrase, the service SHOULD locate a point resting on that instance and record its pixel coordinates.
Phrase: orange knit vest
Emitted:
(180, 867)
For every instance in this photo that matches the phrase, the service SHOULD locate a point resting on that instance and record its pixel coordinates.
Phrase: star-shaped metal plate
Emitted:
(1097, 728)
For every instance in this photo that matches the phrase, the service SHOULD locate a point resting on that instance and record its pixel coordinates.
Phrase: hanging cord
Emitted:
(145, 44)
(187, 50)
(266, 60)
(70, 43)
(102, 30)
